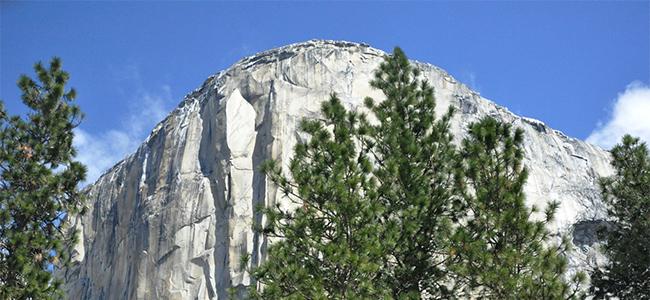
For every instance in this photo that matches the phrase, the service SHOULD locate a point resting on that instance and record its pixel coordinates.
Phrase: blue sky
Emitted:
(569, 64)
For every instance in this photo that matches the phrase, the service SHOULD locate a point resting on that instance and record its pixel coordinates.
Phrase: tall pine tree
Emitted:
(38, 185)
(416, 167)
(500, 251)
(627, 239)
(332, 242)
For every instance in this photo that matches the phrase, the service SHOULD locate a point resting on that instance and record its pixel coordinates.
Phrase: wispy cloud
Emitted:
(469, 78)
(101, 150)
(472, 81)
(630, 115)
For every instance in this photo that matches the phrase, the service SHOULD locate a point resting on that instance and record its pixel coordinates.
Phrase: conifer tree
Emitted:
(500, 250)
(38, 185)
(332, 244)
(416, 167)
(627, 239)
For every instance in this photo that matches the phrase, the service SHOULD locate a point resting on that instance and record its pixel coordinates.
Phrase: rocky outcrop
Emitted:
(172, 220)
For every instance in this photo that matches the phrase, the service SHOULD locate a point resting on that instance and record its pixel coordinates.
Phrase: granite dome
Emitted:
(172, 220)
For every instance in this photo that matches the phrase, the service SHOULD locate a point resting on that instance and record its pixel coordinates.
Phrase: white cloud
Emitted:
(472, 81)
(100, 151)
(469, 78)
(630, 115)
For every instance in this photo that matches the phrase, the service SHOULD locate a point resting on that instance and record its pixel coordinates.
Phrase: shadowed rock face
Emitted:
(172, 220)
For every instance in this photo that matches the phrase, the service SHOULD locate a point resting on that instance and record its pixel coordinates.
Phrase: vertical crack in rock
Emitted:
(260, 154)
(212, 154)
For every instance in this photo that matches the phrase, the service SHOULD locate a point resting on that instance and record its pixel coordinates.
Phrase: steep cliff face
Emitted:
(172, 220)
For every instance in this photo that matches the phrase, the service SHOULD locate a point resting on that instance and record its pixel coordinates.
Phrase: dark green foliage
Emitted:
(332, 245)
(391, 209)
(627, 240)
(38, 185)
(415, 161)
(499, 249)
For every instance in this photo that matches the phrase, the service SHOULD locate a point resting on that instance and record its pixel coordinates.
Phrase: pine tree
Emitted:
(38, 185)
(416, 167)
(627, 239)
(332, 242)
(500, 251)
